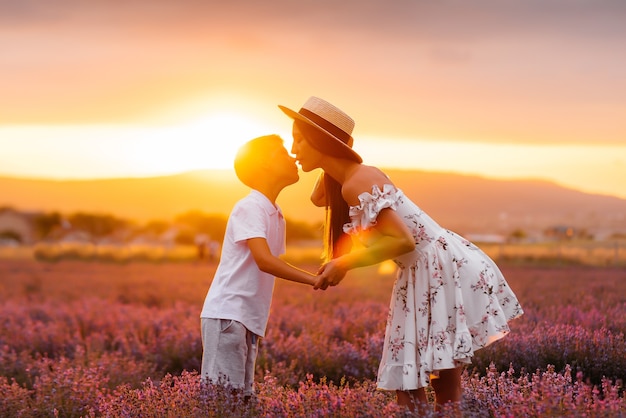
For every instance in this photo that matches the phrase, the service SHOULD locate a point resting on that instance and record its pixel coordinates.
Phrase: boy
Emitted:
(236, 308)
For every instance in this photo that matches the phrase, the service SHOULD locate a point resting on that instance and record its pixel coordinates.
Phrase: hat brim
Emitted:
(337, 144)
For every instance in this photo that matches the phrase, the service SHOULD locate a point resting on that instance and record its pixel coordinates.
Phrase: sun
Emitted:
(216, 138)
(207, 142)
(205, 133)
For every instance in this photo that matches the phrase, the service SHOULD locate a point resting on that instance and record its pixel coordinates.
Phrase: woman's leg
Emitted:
(448, 386)
(413, 399)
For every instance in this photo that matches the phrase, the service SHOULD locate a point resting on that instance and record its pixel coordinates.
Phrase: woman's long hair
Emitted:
(336, 242)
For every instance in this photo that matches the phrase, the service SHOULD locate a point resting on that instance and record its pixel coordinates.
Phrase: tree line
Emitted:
(49, 226)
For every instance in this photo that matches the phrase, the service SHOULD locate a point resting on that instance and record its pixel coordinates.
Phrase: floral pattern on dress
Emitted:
(449, 298)
(417, 229)
(401, 296)
(396, 344)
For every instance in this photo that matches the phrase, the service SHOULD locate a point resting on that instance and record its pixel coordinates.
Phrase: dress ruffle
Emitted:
(363, 216)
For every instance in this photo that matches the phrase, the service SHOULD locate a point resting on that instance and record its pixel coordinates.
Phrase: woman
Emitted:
(449, 298)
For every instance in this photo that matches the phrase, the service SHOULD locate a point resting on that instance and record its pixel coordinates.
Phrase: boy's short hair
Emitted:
(252, 155)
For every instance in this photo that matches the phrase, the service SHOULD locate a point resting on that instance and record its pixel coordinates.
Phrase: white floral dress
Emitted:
(449, 298)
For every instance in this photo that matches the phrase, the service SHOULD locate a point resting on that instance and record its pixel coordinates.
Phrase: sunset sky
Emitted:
(504, 89)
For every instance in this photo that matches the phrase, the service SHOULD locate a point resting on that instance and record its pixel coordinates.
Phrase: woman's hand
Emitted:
(330, 274)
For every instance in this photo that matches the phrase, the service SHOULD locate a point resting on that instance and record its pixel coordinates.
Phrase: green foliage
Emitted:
(96, 225)
(518, 234)
(302, 231)
(215, 226)
(46, 222)
(11, 235)
(212, 225)
(156, 227)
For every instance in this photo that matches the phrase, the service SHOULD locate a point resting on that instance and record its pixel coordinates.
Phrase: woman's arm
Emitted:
(390, 238)
(269, 263)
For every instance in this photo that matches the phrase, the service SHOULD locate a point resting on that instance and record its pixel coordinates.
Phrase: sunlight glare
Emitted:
(387, 267)
(213, 140)
(95, 151)
(209, 142)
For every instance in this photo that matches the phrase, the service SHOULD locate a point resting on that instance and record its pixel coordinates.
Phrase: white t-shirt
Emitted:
(239, 290)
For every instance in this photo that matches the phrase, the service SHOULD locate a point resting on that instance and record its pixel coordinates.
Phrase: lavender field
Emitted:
(81, 338)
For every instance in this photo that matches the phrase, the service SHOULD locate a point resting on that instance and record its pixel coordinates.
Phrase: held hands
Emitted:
(330, 274)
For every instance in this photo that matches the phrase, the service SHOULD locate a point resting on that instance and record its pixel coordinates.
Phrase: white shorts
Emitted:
(229, 352)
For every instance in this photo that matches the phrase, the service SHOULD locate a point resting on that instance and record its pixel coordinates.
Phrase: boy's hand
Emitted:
(330, 274)
(320, 283)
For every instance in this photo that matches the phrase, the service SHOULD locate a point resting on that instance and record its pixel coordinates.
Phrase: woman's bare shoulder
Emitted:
(363, 180)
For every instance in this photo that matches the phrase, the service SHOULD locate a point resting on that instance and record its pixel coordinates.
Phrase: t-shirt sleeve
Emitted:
(248, 221)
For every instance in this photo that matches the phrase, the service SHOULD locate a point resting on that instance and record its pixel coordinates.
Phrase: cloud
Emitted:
(511, 69)
(478, 18)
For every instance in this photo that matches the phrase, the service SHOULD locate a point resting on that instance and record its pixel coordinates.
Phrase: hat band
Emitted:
(329, 127)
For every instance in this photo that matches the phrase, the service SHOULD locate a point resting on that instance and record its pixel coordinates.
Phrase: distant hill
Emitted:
(459, 202)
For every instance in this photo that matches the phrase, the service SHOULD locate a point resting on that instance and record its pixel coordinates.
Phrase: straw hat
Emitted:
(329, 120)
